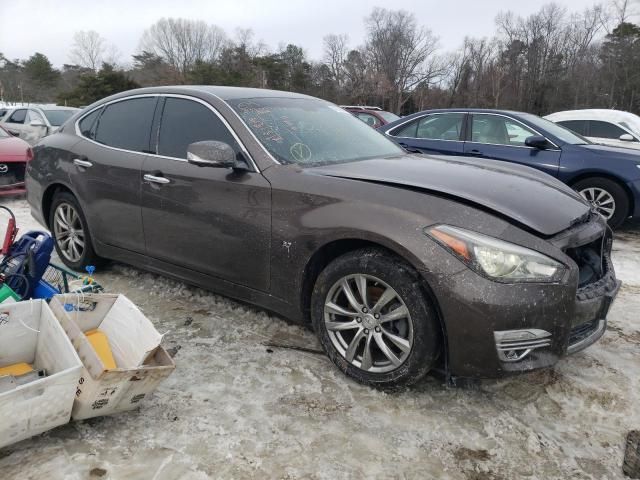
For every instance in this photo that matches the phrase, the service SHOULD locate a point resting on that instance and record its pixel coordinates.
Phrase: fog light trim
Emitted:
(516, 345)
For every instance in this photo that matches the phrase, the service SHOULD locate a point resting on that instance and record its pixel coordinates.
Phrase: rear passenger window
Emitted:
(87, 124)
(578, 126)
(185, 122)
(127, 124)
(443, 126)
(18, 116)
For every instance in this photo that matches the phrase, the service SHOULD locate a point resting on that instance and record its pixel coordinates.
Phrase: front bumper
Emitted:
(496, 329)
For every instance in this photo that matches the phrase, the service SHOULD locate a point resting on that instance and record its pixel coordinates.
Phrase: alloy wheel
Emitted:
(69, 232)
(602, 200)
(368, 323)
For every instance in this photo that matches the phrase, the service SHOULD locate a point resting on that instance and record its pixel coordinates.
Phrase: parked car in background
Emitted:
(14, 155)
(373, 116)
(608, 177)
(401, 262)
(33, 123)
(607, 127)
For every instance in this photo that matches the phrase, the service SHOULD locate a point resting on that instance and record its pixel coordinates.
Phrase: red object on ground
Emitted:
(14, 155)
(9, 236)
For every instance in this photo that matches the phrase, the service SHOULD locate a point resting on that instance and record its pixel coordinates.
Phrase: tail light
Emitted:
(29, 154)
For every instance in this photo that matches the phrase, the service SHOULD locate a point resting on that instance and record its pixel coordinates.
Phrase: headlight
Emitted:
(496, 259)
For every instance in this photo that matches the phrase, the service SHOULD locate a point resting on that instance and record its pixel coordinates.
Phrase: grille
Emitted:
(11, 173)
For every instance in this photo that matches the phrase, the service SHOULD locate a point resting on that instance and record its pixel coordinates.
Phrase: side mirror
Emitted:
(626, 137)
(536, 141)
(37, 123)
(211, 153)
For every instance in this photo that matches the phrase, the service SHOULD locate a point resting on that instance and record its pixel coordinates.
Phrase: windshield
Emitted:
(388, 116)
(311, 132)
(558, 131)
(58, 117)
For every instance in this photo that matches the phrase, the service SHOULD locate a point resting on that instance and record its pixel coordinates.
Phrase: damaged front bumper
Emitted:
(499, 329)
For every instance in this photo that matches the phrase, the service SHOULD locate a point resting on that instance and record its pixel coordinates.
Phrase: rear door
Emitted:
(215, 221)
(440, 133)
(106, 169)
(500, 137)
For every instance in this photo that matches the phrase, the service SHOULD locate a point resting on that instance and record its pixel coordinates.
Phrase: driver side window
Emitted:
(498, 130)
(185, 122)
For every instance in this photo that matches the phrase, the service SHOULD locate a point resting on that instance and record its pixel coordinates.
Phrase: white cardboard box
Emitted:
(142, 363)
(30, 333)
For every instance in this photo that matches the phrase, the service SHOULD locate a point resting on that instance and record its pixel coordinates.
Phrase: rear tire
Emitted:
(604, 194)
(374, 341)
(70, 231)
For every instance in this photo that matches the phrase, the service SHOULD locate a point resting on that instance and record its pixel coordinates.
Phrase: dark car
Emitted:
(373, 116)
(401, 262)
(14, 155)
(608, 177)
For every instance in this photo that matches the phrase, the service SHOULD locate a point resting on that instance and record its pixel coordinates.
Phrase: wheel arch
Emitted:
(47, 199)
(608, 176)
(331, 250)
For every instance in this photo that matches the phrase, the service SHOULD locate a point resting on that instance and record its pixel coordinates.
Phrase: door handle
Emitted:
(155, 179)
(475, 152)
(82, 163)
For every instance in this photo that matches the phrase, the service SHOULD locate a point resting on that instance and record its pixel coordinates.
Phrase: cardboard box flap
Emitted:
(131, 335)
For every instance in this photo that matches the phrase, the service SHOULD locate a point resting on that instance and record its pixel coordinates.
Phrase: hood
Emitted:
(524, 195)
(13, 149)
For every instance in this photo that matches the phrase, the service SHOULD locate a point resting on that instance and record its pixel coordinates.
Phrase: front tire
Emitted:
(374, 320)
(71, 234)
(607, 196)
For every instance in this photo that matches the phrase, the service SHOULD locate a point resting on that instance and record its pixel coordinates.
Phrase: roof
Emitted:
(224, 93)
(474, 110)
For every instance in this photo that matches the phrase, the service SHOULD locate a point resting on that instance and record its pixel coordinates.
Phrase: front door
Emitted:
(215, 221)
(502, 138)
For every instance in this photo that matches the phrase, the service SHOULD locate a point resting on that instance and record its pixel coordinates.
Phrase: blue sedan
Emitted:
(608, 177)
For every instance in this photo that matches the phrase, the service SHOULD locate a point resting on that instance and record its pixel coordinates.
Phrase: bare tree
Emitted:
(401, 52)
(182, 43)
(88, 49)
(335, 54)
(244, 41)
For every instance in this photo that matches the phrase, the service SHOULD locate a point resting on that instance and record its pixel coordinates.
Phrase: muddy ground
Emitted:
(240, 405)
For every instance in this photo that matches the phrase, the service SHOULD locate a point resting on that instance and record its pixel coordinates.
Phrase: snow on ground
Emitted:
(240, 406)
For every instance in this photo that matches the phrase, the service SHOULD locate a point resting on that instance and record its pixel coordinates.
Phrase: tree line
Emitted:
(551, 60)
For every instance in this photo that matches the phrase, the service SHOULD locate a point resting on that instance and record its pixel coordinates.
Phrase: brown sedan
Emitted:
(402, 263)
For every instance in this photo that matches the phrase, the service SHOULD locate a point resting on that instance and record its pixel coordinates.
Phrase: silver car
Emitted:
(32, 123)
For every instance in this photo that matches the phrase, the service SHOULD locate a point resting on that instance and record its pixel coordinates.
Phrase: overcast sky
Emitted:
(47, 26)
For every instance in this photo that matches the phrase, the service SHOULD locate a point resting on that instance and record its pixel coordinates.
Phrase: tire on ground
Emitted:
(89, 257)
(427, 338)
